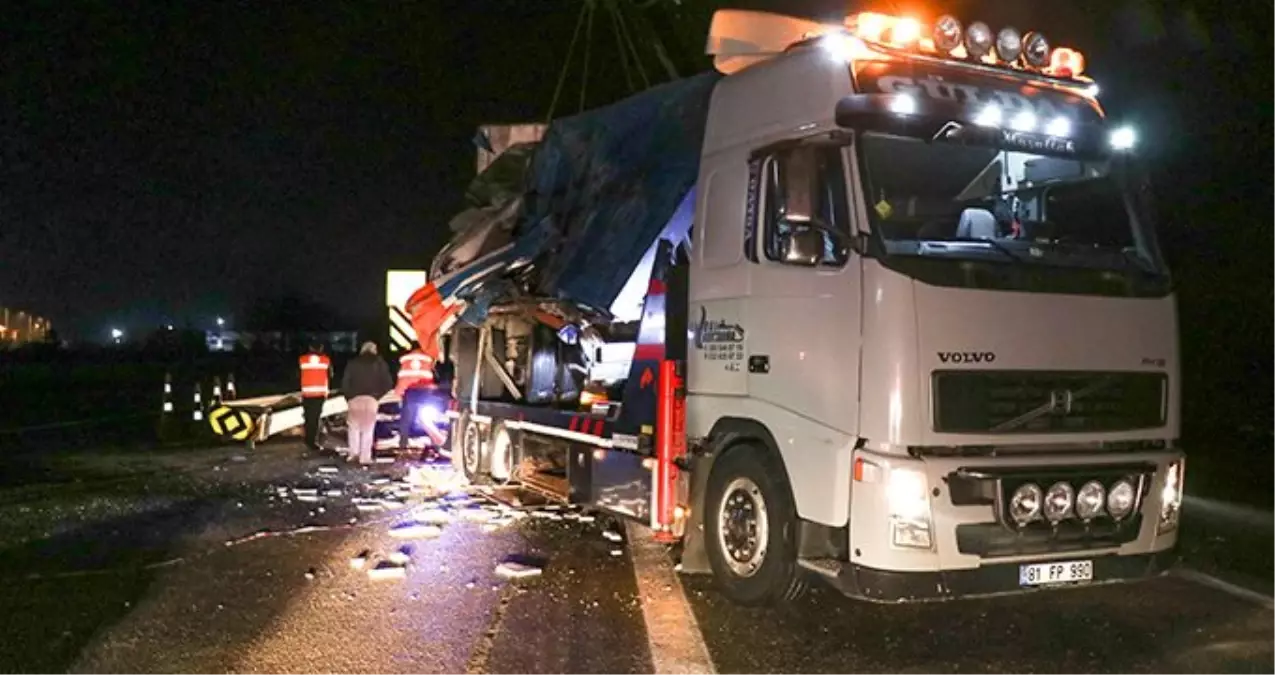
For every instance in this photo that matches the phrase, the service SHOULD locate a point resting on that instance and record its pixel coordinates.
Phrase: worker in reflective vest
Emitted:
(316, 373)
(415, 382)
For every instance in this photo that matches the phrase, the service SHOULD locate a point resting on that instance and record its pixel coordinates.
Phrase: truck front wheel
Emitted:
(751, 529)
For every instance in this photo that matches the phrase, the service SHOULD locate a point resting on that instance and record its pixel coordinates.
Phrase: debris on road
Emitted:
(617, 552)
(612, 535)
(512, 569)
(402, 556)
(332, 493)
(329, 469)
(310, 574)
(358, 561)
(586, 518)
(387, 570)
(415, 530)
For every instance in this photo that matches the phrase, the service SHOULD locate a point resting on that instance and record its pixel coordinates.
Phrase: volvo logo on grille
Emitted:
(1060, 401)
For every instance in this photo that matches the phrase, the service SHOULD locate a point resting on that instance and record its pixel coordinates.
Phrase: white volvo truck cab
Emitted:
(934, 347)
(920, 340)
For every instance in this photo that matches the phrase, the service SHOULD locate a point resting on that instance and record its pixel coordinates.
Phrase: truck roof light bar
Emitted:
(944, 38)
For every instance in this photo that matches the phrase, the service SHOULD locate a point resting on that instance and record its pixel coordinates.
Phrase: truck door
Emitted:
(803, 309)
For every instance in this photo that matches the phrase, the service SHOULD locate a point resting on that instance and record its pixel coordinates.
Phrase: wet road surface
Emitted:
(197, 561)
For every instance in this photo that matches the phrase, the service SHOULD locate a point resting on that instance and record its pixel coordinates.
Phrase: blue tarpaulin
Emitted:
(604, 183)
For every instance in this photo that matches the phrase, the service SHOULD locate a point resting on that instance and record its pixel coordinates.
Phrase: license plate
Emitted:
(1064, 572)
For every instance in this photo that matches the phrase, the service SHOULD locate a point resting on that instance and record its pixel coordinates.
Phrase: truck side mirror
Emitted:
(800, 171)
(802, 246)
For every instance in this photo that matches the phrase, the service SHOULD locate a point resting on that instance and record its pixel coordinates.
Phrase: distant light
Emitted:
(221, 321)
(903, 104)
(117, 334)
(1023, 121)
(1059, 126)
(169, 326)
(1123, 138)
(989, 116)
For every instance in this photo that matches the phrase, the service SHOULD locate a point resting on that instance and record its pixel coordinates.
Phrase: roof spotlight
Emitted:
(978, 39)
(947, 33)
(1036, 50)
(1009, 44)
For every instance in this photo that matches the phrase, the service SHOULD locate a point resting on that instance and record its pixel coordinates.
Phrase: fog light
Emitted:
(1060, 499)
(1025, 503)
(1171, 498)
(1120, 499)
(1089, 500)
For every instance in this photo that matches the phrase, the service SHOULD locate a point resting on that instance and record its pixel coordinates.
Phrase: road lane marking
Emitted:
(1225, 586)
(676, 643)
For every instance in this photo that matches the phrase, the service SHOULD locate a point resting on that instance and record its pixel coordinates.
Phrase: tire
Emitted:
(748, 484)
(502, 452)
(473, 451)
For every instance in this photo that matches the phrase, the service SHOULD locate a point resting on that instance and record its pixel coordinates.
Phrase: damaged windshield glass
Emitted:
(967, 201)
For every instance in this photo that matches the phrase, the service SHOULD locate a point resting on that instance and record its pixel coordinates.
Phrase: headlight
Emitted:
(1060, 498)
(978, 39)
(947, 33)
(1090, 499)
(909, 509)
(1025, 503)
(1009, 44)
(1036, 50)
(1171, 498)
(1120, 499)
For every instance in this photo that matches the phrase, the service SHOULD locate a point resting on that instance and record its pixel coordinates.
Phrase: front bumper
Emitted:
(997, 579)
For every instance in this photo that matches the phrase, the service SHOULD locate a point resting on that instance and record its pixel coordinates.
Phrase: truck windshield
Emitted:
(939, 200)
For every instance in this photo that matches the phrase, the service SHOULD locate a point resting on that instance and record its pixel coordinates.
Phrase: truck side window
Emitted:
(830, 205)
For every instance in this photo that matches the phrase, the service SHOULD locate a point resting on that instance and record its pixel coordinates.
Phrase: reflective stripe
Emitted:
(416, 373)
(314, 366)
(314, 390)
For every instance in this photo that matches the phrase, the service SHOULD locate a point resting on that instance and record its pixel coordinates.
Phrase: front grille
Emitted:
(1031, 402)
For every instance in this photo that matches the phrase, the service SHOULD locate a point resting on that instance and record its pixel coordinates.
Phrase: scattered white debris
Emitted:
(541, 514)
(402, 556)
(309, 575)
(332, 493)
(387, 570)
(321, 510)
(586, 518)
(329, 469)
(553, 507)
(385, 460)
(239, 505)
(392, 504)
(516, 570)
(555, 516)
(309, 498)
(476, 515)
(470, 585)
(571, 515)
(617, 552)
(612, 535)
(305, 491)
(358, 561)
(415, 530)
(434, 516)
(381, 480)
(238, 458)
(677, 567)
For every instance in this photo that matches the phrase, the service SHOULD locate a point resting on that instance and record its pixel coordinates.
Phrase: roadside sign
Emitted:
(230, 422)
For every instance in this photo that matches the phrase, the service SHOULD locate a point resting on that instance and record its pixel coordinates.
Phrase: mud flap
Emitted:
(694, 553)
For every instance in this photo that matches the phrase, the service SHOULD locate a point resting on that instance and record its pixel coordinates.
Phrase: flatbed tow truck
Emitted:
(878, 301)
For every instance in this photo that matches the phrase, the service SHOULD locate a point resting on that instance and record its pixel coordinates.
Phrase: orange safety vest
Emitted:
(415, 369)
(314, 375)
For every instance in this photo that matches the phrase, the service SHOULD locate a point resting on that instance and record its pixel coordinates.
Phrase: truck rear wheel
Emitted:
(502, 451)
(751, 529)
(471, 449)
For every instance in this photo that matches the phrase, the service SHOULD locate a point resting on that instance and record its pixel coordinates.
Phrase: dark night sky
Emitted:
(172, 161)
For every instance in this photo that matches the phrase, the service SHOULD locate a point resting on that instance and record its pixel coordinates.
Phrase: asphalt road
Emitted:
(198, 561)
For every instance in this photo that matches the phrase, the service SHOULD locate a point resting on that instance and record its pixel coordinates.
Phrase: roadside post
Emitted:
(165, 430)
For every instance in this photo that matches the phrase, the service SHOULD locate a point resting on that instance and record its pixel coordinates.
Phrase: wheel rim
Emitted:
(743, 527)
(500, 455)
(470, 452)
